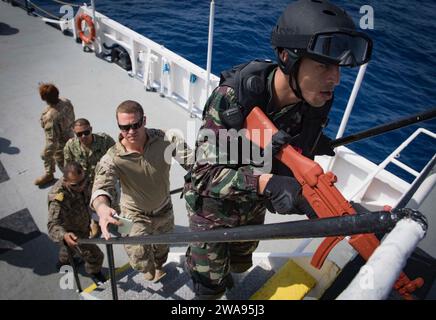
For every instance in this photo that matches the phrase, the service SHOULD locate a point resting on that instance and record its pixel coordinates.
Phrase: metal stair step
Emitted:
(177, 284)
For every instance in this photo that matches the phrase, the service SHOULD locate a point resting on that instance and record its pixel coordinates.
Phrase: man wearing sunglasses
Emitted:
(87, 148)
(141, 162)
(69, 219)
(312, 40)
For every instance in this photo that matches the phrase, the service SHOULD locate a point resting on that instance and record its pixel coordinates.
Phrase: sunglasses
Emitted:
(83, 133)
(127, 127)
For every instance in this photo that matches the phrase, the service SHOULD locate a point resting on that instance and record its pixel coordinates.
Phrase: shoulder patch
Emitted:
(59, 197)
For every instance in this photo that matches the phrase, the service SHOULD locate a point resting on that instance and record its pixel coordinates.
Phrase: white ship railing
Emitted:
(392, 158)
(157, 67)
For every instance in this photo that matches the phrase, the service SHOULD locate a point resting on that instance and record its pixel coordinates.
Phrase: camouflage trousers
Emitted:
(51, 158)
(90, 253)
(145, 258)
(211, 263)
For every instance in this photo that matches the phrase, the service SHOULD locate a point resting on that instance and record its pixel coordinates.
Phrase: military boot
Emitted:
(98, 278)
(149, 276)
(159, 274)
(240, 264)
(46, 178)
(212, 292)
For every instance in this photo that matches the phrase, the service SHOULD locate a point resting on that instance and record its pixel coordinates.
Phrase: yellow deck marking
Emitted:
(93, 286)
(290, 282)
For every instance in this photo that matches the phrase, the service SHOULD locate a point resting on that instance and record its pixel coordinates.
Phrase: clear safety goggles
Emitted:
(348, 49)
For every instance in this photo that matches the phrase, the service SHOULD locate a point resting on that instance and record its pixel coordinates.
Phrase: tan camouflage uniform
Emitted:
(145, 187)
(57, 124)
(68, 211)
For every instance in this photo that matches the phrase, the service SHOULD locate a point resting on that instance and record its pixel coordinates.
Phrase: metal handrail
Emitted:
(389, 159)
(417, 183)
(42, 10)
(375, 222)
(67, 3)
(372, 222)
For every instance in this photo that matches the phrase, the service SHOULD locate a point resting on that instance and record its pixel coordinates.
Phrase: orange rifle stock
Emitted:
(319, 190)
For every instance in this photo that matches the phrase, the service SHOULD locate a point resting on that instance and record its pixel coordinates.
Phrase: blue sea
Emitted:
(400, 79)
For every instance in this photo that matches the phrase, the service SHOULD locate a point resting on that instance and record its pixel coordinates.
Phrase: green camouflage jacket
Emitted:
(88, 158)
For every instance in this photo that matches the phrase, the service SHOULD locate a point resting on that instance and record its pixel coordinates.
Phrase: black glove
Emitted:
(284, 195)
(304, 207)
(323, 147)
(279, 139)
(281, 192)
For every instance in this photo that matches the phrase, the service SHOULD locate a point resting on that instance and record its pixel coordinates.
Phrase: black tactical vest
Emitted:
(250, 83)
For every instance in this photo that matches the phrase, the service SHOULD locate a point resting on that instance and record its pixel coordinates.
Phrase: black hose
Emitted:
(375, 222)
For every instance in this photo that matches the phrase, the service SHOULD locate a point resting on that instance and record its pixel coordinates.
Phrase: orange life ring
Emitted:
(88, 20)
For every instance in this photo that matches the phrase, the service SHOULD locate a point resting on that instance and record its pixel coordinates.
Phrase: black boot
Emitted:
(212, 292)
(240, 264)
(98, 278)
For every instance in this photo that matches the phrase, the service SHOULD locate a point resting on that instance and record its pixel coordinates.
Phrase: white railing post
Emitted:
(209, 46)
(349, 107)
(97, 44)
(192, 81)
(93, 10)
(351, 100)
(133, 57)
(163, 70)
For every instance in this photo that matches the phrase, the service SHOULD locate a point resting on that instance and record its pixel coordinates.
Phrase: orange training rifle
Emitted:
(319, 190)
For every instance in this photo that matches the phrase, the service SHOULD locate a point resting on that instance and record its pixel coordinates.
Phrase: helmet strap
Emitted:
(291, 68)
(293, 75)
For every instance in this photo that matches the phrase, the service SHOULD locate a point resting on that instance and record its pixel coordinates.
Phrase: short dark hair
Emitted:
(81, 122)
(49, 93)
(130, 106)
(72, 167)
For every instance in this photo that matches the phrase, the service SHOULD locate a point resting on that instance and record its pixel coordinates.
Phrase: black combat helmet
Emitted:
(322, 31)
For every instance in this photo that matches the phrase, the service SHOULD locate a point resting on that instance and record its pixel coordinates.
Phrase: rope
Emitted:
(42, 10)
(67, 3)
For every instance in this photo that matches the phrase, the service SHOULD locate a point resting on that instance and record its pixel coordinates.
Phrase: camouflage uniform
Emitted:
(220, 196)
(88, 157)
(69, 212)
(145, 187)
(222, 192)
(57, 124)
